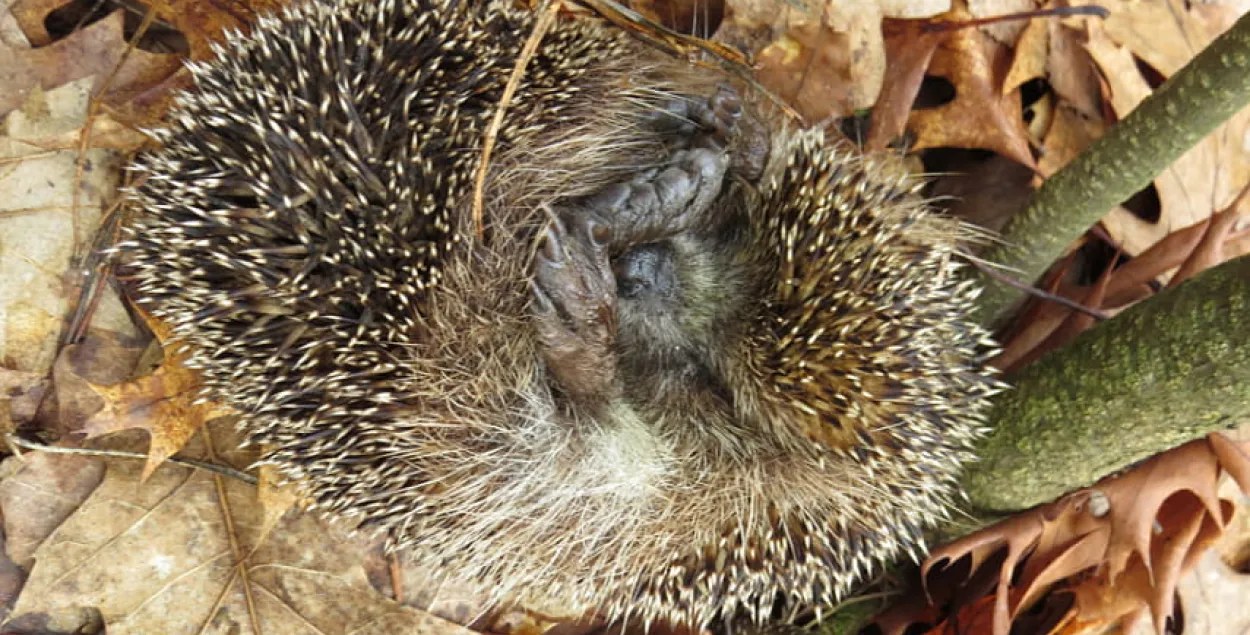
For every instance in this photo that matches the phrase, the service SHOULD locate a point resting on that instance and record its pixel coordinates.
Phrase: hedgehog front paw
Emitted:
(664, 204)
(688, 121)
(574, 299)
(717, 119)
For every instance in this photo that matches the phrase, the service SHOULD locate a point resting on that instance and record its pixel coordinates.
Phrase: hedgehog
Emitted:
(662, 381)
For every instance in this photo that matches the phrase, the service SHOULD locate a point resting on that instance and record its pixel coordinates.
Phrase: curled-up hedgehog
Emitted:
(697, 367)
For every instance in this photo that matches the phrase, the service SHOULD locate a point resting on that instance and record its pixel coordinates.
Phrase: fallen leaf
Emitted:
(1117, 547)
(1210, 250)
(21, 393)
(165, 403)
(1032, 55)
(155, 556)
(44, 195)
(980, 116)
(909, 46)
(203, 22)
(92, 52)
(276, 498)
(1070, 132)
(1070, 72)
(41, 492)
(824, 73)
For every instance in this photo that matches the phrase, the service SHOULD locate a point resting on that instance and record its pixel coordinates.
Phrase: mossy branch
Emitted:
(1164, 372)
(1209, 90)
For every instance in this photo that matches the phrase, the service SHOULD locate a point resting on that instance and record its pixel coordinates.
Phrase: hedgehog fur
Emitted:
(792, 415)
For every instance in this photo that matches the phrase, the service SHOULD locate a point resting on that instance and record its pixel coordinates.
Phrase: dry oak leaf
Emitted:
(1214, 595)
(823, 72)
(166, 403)
(980, 116)
(94, 51)
(183, 552)
(1051, 49)
(1068, 134)
(1132, 535)
(824, 59)
(203, 22)
(909, 45)
(37, 496)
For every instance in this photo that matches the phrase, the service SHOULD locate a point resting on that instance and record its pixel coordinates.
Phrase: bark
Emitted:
(1189, 106)
(1164, 372)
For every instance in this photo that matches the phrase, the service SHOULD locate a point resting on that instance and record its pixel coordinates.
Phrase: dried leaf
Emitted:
(1210, 250)
(92, 52)
(40, 495)
(42, 194)
(1032, 52)
(909, 50)
(276, 498)
(204, 21)
(156, 557)
(825, 73)
(21, 393)
(1132, 536)
(1069, 69)
(1069, 133)
(980, 116)
(1074, 322)
(162, 403)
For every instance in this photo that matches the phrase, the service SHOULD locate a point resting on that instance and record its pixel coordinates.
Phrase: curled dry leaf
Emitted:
(909, 51)
(1118, 547)
(824, 63)
(1072, 324)
(980, 116)
(1038, 319)
(821, 72)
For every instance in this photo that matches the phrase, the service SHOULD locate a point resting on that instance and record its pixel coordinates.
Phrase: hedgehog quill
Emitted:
(670, 383)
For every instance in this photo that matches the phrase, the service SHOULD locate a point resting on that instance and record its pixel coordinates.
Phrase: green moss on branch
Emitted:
(1162, 373)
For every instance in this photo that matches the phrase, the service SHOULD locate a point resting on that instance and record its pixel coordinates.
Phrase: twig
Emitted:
(545, 20)
(1038, 293)
(215, 468)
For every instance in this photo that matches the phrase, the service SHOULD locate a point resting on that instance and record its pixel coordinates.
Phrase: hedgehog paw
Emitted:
(574, 299)
(663, 204)
(688, 121)
(717, 119)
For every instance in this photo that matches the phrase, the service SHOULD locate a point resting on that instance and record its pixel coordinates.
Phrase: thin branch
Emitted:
(1038, 293)
(224, 470)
